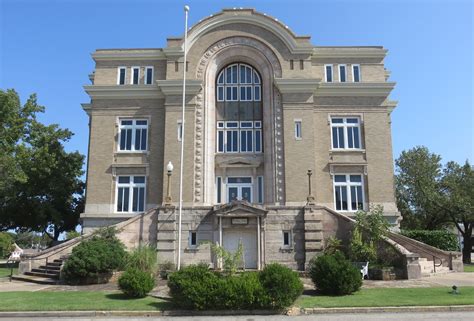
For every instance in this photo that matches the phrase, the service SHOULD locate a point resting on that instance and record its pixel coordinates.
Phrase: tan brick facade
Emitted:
(293, 89)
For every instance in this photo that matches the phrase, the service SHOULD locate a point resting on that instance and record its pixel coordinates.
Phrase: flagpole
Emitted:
(186, 10)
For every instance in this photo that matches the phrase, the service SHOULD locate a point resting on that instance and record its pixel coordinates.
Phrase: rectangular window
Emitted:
(348, 192)
(298, 134)
(180, 130)
(291, 64)
(148, 75)
(121, 74)
(328, 73)
(133, 135)
(135, 76)
(342, 73)
(356, 73)
(301, 64)
(131, 194)
(218, 189)
(345, 132)
(192, 238)
(260, 189)
(286, 238)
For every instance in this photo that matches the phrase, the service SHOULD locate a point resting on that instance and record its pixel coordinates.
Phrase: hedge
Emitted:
(196, 287)
(442, 239)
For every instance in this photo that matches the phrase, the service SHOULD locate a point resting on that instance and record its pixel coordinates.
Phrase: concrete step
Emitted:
(34, 279)
(46, 271)
(50, 267)
(43, 275)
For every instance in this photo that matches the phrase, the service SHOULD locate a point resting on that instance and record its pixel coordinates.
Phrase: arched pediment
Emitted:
(295, 44)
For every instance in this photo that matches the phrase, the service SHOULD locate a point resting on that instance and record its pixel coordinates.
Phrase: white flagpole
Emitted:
(186, 10)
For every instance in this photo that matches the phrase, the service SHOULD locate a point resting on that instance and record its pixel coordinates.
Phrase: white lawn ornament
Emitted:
(16, 254)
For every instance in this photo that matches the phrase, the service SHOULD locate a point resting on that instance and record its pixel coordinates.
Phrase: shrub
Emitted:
(101, 254)
(194, 287)
(281, 284)
(441, 239)
(334, 274)
(136, 283)
(143, 258)
(6, 244)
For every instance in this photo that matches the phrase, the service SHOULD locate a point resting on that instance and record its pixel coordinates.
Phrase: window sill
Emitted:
(131, 152)
(191, 249)
(348, 150)
(286, 249)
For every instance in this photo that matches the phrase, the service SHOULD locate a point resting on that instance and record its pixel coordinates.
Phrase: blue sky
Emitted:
(46, 44)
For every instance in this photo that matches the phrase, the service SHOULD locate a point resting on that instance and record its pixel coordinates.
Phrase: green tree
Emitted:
(457, 186)
(431, 196)
(6, 244)
(40, 185)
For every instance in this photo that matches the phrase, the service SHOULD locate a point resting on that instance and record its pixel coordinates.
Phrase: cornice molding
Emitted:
(294, 86)
(128, 54)
(354, 89)
(123, 92)
(175, 87)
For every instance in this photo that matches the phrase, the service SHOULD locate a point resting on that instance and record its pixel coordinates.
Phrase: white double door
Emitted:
(248, 238)
(239, 188)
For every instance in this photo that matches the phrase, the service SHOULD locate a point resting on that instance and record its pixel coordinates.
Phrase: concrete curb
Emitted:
(291, 312)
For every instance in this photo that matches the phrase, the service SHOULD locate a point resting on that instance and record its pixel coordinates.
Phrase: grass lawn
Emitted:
(468, 267)
(5, 270)
(391, 297)
(76, 301)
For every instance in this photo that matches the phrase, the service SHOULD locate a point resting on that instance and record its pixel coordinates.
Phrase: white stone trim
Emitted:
(123, 92)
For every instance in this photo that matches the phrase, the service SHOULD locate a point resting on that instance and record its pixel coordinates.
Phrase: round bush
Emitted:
(334, 274)
(93, 258)
(135, 283)
(282, 285)
(194, 287)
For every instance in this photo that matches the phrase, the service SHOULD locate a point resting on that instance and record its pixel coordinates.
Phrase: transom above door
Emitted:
(239, 188)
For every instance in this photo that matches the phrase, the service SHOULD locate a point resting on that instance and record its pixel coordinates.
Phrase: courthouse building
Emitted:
(263, 107)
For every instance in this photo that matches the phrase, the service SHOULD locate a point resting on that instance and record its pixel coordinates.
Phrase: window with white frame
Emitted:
(239, 137)
(260, 197)
(345, 132)
(149, 75)
(239, 110)
(348, 192)
(134, 80)
(342, 73)
(121, 74)
(298, 133)
(218, 189)
(133, 135)
(131, 194)
(356, 73)
(192, 238)
(328, 73)
(286, 239)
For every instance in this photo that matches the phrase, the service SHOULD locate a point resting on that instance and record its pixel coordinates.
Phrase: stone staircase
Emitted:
(44, 274)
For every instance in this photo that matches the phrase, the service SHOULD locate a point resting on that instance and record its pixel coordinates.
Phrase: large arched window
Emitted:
(239, 110)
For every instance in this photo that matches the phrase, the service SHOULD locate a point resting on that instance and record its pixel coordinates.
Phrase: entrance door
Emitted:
(239, 188)
(248, 238)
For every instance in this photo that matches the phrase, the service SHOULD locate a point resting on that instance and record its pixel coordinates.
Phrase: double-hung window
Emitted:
(131, 194)
(345, 132)
(133, 135)
(342, 73)
(148, 75)
(135, 76)
(356, 73)
(298, 133)
(348, 192)
(328, 73)
(121, 74)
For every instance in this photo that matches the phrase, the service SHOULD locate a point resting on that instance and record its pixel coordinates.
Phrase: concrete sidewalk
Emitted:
(7, 286)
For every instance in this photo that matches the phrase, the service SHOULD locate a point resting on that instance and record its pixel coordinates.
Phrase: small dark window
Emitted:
(149, 76)
(328, 73)
(176, 66)
(342, 73)
(135, 75)
(301, 64)
(286, 238)
(122, 76)
(291, 65)
(192, 238)
(356, 73)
